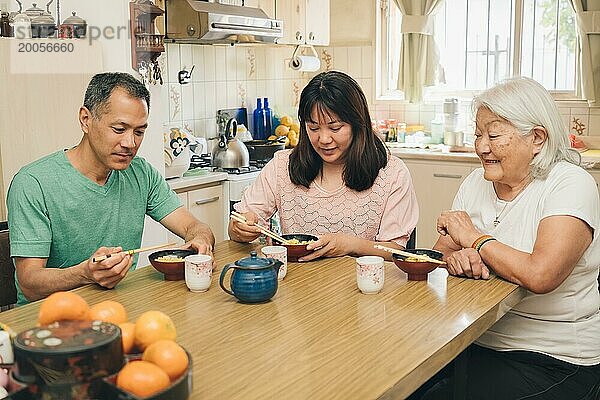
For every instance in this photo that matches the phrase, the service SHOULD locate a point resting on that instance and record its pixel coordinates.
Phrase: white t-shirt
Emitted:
(564, 323)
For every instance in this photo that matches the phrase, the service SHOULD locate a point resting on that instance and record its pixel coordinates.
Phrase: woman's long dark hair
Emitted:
(337, 93)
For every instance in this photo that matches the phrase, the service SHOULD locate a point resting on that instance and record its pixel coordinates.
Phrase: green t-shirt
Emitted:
(57, 213)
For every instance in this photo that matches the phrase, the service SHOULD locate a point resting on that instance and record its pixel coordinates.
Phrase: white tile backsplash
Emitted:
(185, 57)
(355, 62)
(229, 76)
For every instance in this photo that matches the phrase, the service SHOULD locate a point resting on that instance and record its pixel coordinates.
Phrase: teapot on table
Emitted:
(253, 280)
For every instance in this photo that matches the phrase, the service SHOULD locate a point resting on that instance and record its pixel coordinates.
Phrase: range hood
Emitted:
(197, 21)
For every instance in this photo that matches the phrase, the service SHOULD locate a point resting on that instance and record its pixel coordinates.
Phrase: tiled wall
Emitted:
(227, 77)
(234, 76)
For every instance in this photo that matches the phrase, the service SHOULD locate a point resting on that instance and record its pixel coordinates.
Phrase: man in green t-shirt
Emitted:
(90, 200)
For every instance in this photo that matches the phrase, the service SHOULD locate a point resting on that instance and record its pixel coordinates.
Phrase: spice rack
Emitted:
(146, 43)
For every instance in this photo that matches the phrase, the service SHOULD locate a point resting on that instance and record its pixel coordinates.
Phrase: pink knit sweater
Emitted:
(388, 211)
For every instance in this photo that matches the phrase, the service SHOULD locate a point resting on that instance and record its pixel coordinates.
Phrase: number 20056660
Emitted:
(45, 47)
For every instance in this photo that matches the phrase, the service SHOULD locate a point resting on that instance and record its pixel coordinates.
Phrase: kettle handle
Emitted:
(222, 277)
(231, 128)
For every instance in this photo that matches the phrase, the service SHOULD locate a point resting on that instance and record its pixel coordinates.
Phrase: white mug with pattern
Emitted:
(370, 274)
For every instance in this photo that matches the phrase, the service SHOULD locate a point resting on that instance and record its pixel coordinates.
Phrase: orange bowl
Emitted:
(180, 388)
(173, 271)
(417, 270)
(295, 251)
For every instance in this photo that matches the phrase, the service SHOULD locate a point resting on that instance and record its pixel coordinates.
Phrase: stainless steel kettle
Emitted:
(230, 152)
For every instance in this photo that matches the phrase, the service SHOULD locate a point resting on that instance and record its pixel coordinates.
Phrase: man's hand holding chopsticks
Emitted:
(110, 271)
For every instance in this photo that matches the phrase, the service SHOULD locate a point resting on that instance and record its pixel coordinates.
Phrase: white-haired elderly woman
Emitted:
(531, 216)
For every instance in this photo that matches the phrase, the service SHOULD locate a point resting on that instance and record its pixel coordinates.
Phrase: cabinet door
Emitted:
(317, 22)
(436, 184)
(208, 205)
(596, 175)
(268, 6)
(292, 13)
(171, 237)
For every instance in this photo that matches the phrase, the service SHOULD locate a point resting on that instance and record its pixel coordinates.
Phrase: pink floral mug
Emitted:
(370, 274)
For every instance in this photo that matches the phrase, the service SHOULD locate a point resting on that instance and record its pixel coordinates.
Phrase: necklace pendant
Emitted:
(496, 222)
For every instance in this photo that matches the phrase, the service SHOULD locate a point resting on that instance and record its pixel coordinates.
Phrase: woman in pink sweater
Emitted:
(340, 183)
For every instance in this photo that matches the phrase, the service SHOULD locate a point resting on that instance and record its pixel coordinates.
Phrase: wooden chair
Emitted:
(8, 291)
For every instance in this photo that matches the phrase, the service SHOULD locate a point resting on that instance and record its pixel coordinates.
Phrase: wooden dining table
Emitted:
(319, 337)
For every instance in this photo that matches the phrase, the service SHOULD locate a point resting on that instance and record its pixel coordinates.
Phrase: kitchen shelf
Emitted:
(146, 43)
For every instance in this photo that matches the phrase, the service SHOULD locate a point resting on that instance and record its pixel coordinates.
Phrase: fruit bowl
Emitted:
(295, 251)
(417, 270)
(172, 270)
(179, 389)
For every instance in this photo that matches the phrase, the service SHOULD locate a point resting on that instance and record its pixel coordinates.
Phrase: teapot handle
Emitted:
(223, 273)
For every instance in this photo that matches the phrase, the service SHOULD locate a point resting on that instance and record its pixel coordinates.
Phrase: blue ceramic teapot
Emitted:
(253, 280)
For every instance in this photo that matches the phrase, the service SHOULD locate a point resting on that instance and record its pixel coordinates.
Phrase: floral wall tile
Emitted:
(174, 102)
(251, 63)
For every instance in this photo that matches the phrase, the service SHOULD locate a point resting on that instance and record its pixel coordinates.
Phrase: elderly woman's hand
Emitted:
(467, 262)
(458, 225)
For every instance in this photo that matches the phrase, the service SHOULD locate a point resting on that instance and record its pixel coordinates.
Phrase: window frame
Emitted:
(385, 95)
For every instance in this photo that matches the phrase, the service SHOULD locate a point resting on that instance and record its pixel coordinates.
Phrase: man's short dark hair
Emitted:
(102, 85)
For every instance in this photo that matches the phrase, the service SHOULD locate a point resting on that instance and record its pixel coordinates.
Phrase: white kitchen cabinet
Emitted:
(596, 175)
(347, 31)
(268, 6)
(304, 21)
(436, 184)
(208, 205)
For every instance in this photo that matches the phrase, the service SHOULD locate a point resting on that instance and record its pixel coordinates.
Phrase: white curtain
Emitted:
(588, 32)
(419, 56)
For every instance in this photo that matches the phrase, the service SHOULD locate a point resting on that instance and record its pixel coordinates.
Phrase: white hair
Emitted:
(526, 104)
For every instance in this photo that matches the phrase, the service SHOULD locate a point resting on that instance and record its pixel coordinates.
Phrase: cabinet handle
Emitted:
(298, 36)
(205, 201)
(452, 176)
(311, 36)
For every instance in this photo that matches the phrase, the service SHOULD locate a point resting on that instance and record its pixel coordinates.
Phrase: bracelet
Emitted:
(478, 248)
(478, 241)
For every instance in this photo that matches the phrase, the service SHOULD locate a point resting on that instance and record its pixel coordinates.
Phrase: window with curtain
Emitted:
(484, 41)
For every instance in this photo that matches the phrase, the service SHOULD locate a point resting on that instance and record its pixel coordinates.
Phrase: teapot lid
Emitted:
(34, 11)
(74, 19)
(22, 17)
(43, 19)
(254, 262)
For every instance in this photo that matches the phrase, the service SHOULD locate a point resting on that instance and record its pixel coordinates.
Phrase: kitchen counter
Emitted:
(191, 181)
(319, 337)
(589, 159)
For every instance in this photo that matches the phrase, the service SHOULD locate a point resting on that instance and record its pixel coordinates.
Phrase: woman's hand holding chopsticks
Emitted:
(245, 232)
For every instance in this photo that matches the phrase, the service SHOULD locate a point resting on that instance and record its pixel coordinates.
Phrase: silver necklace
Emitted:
(497, 220)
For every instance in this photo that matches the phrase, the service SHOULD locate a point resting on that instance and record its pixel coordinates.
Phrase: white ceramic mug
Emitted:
(370, 274)
(278, 253)
(6, 351)
(198, 272)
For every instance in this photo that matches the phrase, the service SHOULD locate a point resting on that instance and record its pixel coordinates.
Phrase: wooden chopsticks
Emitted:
(240, 218)
(130, 252)
(407, 254)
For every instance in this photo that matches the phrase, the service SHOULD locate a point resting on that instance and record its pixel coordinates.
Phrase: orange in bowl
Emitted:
(295, 251)
(417, 270)
(170, 263)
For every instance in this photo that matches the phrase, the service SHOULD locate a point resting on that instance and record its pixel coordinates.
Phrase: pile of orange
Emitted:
(162, 363)
(163, 360)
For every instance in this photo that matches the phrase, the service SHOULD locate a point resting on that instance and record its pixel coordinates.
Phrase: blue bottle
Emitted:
(259, 121)
(268, 112)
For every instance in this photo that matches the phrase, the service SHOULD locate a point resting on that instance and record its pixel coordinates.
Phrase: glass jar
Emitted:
(392, 125)
(401, 132)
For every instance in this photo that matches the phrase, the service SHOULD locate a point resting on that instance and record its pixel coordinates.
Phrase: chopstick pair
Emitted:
(130, 252)
(240, 218)
(407, 254)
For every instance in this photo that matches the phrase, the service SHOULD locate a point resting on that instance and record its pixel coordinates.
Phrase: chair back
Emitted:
(8, 291)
